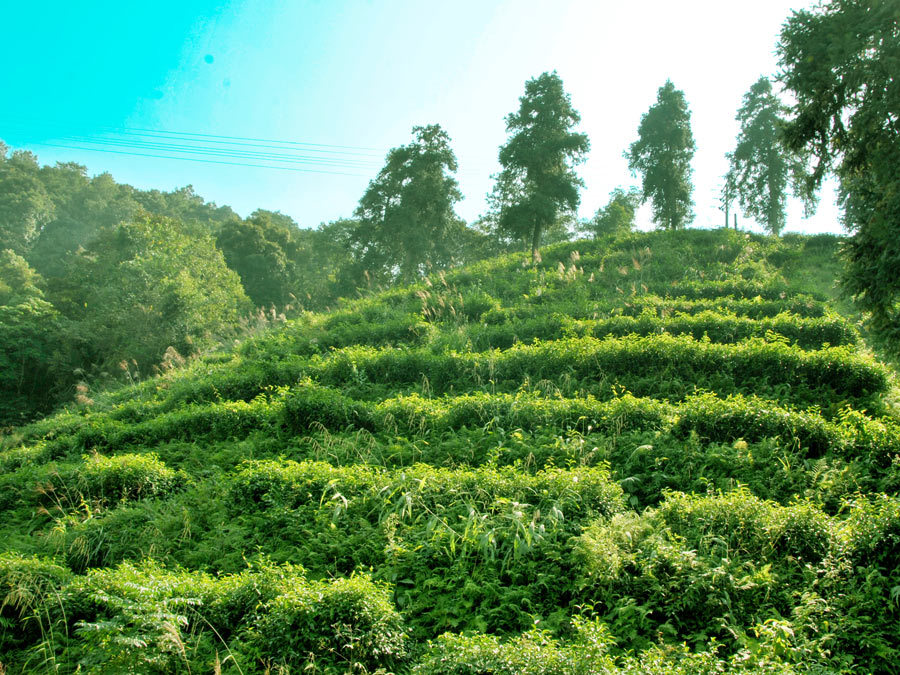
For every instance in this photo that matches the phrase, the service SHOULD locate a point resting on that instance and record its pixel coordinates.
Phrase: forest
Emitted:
(402, 443)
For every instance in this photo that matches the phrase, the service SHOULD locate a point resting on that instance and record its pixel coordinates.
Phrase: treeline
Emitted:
(100, 280)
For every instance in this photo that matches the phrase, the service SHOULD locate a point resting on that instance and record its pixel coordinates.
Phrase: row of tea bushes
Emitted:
(309, 407)
(651, 365)
(807, 333)
(694, 568)
(144, 618)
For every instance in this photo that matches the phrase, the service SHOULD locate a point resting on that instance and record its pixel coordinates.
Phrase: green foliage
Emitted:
(837, 61)
(30, 595)
(760, 167)
(538, 182)
(654, 452)
(125, 477)
(264, 251)
(617, 216)
(406, 215)
(344, 625)
(148, 285)
(663, 155)
(25, 206)
(33, 362)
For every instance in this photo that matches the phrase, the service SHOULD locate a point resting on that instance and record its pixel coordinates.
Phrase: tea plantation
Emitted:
(662, 453)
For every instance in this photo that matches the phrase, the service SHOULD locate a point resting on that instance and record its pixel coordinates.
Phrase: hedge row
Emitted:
(736, 288)
(652, 363)
(309, 407)
(808, 333)
(422, 489)
(144, 618)
(755, 308)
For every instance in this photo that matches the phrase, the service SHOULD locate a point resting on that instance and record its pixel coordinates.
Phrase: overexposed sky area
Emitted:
(335, 84)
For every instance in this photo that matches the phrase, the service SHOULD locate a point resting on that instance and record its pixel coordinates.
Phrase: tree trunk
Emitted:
(535, 242)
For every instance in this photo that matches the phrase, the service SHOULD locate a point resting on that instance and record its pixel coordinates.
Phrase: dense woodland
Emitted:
(399, 442)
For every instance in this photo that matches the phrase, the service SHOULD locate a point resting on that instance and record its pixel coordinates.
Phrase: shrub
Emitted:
(309, 406)
(113, 479)
(336, 626)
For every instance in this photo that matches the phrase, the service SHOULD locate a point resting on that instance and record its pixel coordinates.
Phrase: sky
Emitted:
(323, 89)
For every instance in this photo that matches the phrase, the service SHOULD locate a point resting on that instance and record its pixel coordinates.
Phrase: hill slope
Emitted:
(664, 453)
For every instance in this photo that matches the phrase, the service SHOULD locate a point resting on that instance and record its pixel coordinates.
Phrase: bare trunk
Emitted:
(535, 242)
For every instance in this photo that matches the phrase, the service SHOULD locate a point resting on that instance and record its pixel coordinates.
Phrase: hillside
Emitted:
(665, 452)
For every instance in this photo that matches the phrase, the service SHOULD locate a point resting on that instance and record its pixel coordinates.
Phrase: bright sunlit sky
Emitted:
(360, 75)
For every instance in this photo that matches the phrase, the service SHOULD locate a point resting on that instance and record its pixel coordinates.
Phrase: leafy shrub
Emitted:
(309, 406)
(697, 563)
(336, 626)
(122, 477)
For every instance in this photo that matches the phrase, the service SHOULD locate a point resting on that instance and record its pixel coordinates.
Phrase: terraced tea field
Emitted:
(666, 454)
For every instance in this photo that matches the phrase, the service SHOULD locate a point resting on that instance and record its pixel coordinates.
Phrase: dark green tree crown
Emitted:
(663, 153)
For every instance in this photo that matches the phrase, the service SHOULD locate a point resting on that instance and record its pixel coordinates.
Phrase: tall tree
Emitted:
(841, 61)
(663, 153)
(538, 183)
(760, 164)
(34, 363)
(407, 211)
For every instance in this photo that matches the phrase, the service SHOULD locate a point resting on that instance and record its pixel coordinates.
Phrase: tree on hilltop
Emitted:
(538, 183)
(760, 165)
(407, 213)
(663, 154)
(617, 216)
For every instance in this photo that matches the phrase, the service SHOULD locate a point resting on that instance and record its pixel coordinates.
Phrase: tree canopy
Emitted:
(662, 154)
(538, 183)
(840, 61)
(406, 215)
(617, 216)
(760, 165)
(264, 251)
(146, 285)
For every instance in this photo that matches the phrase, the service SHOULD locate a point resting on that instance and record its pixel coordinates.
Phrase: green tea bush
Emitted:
(735, 288)
(752, 419)
(744, 525)
(345, 625)
(309, 406)
(698, 563)
(420, 488)
(524, 411)
(836, 372)
(128, 476)
(591, 651)
(752, 308)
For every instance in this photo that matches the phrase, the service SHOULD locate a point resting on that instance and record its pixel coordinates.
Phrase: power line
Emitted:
(194, 159)
(29, 123)
(178, 136)
(260, 140)
(221, 152)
